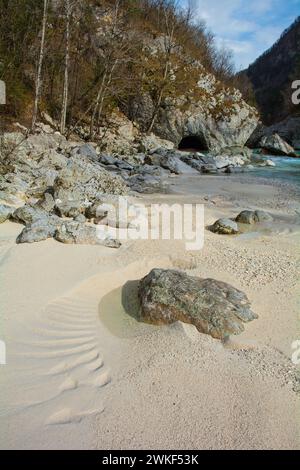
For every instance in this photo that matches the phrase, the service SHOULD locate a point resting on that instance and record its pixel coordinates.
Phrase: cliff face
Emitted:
(273, 73)
(220, 119)
(212, 117)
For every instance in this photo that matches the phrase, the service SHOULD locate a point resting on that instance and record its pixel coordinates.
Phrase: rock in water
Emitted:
(225, 227)
(275, 145)
(214, 307)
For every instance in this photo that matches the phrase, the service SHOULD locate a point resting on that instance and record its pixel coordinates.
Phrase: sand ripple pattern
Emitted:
(60, 355)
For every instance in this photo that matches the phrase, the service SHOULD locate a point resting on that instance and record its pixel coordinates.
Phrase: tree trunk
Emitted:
(98, 99)
(40, 66)
(67, 60)
(159, 98)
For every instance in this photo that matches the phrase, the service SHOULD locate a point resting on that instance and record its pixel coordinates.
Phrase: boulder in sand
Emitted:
(252, 217)
(28, 214)
(263, 216)
(39, 230)
(225, 227)
(78, 233)
(214, 307)
(247, 217)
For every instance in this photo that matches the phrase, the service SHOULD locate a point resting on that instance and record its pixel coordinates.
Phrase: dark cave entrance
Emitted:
(193, 143)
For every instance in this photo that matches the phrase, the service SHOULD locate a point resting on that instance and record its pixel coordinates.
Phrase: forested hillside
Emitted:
(273, 73)
(79, 59)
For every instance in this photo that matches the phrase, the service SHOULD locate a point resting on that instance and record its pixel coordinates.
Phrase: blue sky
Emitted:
(248, 27)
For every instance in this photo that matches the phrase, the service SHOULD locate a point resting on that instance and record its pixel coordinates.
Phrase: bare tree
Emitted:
(40, 66)
(114, 51)
(168, 12)
(67, 60)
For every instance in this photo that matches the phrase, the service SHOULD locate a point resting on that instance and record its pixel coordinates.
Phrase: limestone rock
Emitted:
(288, 129)
(28, 214)
(70, 209)
(39, 230)
(220, 119)
(46, 202)
(151, 142)
(78, 233)
(85, 150)
(145, 183)
(275, 145)
(5, 212)
(214, 307)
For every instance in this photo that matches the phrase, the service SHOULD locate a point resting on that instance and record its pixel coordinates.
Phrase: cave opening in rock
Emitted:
(193, 143)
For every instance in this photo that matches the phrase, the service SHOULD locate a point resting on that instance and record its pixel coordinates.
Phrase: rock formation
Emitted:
(214, 307)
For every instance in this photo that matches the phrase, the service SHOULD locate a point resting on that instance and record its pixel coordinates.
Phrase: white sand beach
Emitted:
(82, 373)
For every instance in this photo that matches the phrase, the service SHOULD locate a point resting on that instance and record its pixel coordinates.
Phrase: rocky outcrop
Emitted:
(214, 307)
(288, 130)
(5, 212)
(275, 145)
(51, 179)
(219, 119)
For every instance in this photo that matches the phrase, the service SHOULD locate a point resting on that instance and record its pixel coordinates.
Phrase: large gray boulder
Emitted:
(46, 202)
(85, 150)
(83, 234)
(83, 180)
(28, 214)
(275, 145)
(214, 307)
(146, 183)
(39, 230)
(70, 209)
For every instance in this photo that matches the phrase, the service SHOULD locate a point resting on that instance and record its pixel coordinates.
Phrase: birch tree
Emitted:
(66, 75)
(40, 66)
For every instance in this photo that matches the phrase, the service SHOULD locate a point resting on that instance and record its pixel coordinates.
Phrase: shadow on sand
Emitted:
(119, 312)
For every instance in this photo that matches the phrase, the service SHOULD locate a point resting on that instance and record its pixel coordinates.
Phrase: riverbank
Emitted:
(80, 370)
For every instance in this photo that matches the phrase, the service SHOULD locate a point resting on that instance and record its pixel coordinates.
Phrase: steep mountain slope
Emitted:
(273, 73)
(143, 61)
